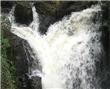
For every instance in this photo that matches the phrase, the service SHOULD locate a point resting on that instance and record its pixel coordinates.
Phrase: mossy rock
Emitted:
(5, 23)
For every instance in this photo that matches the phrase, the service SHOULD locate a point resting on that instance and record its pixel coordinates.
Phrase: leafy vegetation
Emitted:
(8, 78)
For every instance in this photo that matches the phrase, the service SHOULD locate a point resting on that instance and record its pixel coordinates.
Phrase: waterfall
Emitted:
(68, 51)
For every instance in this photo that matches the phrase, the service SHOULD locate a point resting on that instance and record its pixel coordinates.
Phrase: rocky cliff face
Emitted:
(50, 12)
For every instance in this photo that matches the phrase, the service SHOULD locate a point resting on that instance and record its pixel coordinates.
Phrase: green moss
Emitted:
(8, 78)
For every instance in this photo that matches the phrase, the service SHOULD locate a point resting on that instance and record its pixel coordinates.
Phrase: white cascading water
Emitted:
(68, 51)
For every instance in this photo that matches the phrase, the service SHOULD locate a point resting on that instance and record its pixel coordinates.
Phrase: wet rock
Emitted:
(6, 6)
(52, 11)
(61, 8)
(36, 83)
(23, 63)
(16, 54)
(103, 66)
(105, 29)
(45, 22)
(5, 23)
(73, 6)
(23, 13)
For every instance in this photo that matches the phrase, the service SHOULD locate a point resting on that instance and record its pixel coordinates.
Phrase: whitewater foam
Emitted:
(68, 51)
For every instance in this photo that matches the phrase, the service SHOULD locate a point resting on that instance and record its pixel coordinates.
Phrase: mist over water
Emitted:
(68, 51)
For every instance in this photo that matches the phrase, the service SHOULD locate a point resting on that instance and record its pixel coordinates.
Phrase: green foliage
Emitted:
(8, 80)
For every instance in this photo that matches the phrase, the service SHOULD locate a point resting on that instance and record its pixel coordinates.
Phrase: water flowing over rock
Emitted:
(61, 45)
(52, 11)
(68, 53)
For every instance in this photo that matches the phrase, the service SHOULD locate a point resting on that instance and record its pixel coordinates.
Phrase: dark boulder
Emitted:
(23, 13)
(103, 67)
(6, 6)
(36, 83)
